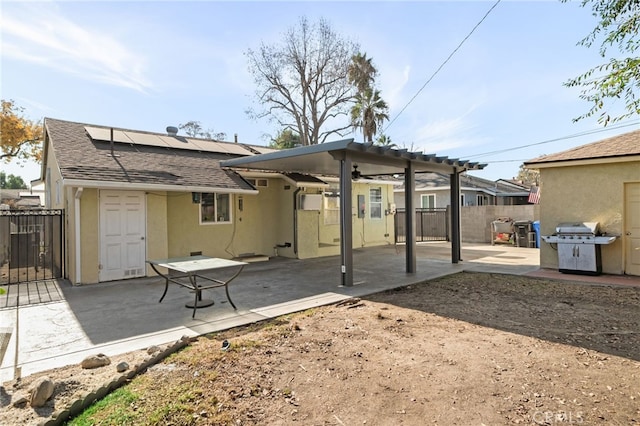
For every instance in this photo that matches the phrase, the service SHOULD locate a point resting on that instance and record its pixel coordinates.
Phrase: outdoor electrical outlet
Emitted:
(386, 235)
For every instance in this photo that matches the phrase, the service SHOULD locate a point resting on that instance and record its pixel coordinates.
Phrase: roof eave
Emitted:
(582, 161)
(152, 187)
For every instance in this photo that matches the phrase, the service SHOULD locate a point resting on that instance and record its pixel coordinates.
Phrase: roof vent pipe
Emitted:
(235, 137)
(172, 131)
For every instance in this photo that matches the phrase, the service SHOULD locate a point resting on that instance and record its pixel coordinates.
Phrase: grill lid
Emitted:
(582, 228)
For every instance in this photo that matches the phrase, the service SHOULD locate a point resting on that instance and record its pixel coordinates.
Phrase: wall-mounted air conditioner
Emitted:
(311, 202)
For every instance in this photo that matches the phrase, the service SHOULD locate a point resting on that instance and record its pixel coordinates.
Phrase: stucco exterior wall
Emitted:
(256, 223)
(586, 193)
(54, 192)
(475, 221)
(89, 236)
(157, 227)
(315, 238)
(186, 235)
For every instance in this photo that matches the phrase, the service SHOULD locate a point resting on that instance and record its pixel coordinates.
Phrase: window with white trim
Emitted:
(428, 201)
(480, 200)
(375, 203)
(462, 199)
(215, 208)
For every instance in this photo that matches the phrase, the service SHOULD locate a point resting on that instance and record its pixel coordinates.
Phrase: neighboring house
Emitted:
(597, 182)
(132, 195)
(21, 199)
(433, 191)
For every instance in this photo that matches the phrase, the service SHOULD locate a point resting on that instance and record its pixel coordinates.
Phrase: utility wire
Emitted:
(441, 66)
(576, 135)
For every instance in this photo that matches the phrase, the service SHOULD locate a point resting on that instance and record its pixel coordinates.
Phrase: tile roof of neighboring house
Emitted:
(82, 158)
(627, 144)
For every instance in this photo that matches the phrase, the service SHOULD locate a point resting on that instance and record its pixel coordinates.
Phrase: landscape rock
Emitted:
(122, 367)
(153, 349)
(20, 400)
(95, 361)
(41, 392)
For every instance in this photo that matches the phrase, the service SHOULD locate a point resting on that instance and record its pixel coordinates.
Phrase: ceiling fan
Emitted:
(355, 174)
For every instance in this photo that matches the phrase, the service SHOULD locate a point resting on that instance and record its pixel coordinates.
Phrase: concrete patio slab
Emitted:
(117, 317)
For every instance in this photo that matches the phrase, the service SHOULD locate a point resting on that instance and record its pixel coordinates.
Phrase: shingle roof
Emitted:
(83, 158)
(433, 180)
(627, 144)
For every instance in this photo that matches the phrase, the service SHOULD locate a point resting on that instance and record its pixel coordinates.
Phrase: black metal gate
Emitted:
(431, 225)
(31, 245)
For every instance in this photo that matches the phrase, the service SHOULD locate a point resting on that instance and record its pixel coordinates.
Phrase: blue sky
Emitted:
(146, 65)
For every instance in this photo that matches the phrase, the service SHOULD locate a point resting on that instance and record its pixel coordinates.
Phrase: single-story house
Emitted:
(433, 191)
(597, 182)
(132, 195)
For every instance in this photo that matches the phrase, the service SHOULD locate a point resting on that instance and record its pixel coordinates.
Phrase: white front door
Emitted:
(122, 235)
(632, 228)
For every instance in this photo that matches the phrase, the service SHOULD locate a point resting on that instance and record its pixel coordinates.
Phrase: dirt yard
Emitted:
(465, 349)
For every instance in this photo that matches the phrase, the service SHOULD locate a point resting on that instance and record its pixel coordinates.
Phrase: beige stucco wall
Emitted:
(186, 235)
(475, 221)
(315, 238)
(89, 236)
(587, 193)
(157, 235)
(264, 220)
(257, 224)
(54, 192)
(254, 229)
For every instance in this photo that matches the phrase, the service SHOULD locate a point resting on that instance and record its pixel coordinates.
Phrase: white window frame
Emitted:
(428, 196)
(480, 200)
(375, 200)
(219, 216)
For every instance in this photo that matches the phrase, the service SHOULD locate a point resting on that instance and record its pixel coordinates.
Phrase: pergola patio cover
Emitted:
(339, 159)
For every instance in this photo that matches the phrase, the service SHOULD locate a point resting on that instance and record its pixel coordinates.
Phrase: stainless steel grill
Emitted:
(578, 246)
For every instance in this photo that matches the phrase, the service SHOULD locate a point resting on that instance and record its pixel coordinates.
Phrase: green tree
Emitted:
(385, 140)
(369, 112)
(195, 130)
(302, 83)
(11, 182)
(20, 137)
(619, 26)
(286, 139)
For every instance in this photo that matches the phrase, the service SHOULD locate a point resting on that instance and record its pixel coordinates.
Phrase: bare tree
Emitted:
(195, 130)
(303, 83)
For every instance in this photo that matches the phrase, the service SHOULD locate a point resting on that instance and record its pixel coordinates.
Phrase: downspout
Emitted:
(76, 213)
(295, 220)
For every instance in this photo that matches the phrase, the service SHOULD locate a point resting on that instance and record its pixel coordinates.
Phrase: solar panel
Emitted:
(104, 134)
(146, 139)
(263, 149)
(165, 141)
(178, 143)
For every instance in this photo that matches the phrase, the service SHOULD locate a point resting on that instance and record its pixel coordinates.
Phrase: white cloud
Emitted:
(448, 134)
(45, 37)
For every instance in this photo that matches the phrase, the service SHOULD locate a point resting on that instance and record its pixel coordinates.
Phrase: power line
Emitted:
(442, 65)
(576, 135)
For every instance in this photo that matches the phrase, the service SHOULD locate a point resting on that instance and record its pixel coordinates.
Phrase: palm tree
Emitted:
(362, 72)
(369, 112)
(384, 140)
